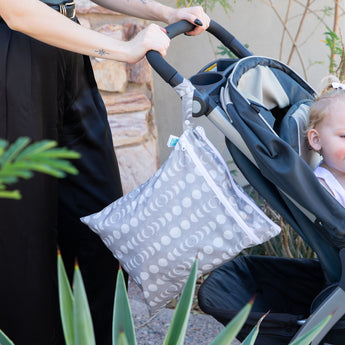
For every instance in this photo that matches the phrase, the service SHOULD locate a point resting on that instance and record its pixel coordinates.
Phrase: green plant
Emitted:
(337, 50)
(123, 326)
(21, 159)
(224, 51)
(78, 329)
(4, 340)
(76, 317)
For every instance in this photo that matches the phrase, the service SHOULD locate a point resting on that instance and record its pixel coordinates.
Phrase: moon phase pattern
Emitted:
(158, 229)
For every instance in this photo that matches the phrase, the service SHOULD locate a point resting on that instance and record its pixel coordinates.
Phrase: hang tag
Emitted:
(172, 141)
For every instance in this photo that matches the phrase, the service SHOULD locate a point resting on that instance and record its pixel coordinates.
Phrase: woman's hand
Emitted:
(152, 37)
(194, 15)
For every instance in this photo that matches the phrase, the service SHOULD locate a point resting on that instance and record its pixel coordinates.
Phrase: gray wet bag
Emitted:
(191, 207)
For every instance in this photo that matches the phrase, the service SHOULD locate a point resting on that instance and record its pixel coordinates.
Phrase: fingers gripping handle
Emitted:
(169, 73)
(164, 69)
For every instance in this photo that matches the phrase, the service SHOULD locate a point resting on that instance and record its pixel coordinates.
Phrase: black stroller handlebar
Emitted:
(169, 73)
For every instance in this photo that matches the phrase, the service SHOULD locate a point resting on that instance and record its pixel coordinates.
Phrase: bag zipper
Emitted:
(219, 193)
(238, 191)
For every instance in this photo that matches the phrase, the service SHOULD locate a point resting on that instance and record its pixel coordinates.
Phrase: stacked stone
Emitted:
(127, 93)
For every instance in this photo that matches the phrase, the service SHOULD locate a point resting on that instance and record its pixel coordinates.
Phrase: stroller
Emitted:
(261, 106)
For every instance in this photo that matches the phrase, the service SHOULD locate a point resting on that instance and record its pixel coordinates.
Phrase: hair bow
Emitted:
(338, 86)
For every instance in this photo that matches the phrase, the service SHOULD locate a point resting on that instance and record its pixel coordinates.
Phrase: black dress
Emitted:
(49, 93)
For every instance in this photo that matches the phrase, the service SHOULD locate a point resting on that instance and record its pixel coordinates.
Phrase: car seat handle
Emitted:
(169, 73)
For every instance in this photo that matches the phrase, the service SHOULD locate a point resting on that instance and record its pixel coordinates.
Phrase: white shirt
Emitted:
(334, 187)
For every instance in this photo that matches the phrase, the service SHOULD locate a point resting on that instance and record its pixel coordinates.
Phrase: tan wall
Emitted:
(253, 23)
(128, 90)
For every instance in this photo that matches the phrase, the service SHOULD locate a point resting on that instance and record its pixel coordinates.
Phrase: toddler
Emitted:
(326, 135)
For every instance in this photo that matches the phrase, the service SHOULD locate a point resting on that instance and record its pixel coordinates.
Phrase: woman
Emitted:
(47, 91)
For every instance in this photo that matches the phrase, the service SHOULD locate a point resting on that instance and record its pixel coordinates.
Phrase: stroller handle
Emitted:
(169, 73)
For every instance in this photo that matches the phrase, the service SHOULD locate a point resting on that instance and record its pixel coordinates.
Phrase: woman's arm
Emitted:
(152, 10)
(36, 19)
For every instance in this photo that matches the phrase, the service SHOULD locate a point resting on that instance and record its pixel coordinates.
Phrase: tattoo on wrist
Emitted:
(101, 52)
(145, 1)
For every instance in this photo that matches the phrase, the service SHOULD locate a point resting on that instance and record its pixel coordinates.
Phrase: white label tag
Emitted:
(172, 141)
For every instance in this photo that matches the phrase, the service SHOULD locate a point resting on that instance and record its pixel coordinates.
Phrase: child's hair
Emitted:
(332, 90)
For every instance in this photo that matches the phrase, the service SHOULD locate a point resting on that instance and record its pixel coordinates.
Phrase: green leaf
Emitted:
(59, 164)
(4, 340)
(229, 333)
(122, 318)
(60, 153)
(250, 339)
(122, 339)
(10, 194)
(178, 326)
(37, 148)
(14, 149)
(307, 338)
(66, 303)
(20, 160)
(13, 172)
(83, 328)
(38, 167)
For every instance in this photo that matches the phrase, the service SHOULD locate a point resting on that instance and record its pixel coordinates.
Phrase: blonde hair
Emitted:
(320, 107)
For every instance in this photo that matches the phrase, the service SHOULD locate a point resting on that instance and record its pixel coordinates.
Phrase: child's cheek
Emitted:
(340, 154)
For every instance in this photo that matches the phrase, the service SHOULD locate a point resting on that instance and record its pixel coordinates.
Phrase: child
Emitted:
(326, 135)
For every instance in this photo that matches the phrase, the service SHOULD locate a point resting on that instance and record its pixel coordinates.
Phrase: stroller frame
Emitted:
(206, 101)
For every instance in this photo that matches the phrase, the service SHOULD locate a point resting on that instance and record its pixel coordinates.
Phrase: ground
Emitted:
(202, 329)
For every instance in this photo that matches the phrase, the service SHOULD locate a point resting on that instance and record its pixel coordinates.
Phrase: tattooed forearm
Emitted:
(101, 52)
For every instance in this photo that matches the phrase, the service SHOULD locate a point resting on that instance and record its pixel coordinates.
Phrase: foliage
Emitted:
(224, 51)
(20, 159)
(78, 329)
(287, 244)
(75, 313)
(4, 340)
(77, 323)
(296, 28)
(337, 50)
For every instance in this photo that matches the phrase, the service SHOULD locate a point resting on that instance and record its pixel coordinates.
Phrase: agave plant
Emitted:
(78, 328)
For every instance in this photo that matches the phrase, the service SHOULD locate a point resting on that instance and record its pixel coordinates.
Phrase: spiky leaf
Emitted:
(122, 319)
(4, 340)
(229, 333)
(250, 339)
(177, 330)
(83, 328)
(307, 338)
(66, 303)
(122, 339)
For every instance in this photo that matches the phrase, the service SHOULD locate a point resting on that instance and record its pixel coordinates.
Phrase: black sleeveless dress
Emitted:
(49, 93)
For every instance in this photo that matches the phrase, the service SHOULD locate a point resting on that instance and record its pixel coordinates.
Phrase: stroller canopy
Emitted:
(267, 103)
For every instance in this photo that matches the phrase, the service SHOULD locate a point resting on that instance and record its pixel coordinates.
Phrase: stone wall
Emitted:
(127, 93)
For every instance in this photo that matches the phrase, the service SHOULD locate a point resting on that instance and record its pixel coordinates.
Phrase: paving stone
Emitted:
(201, 330)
